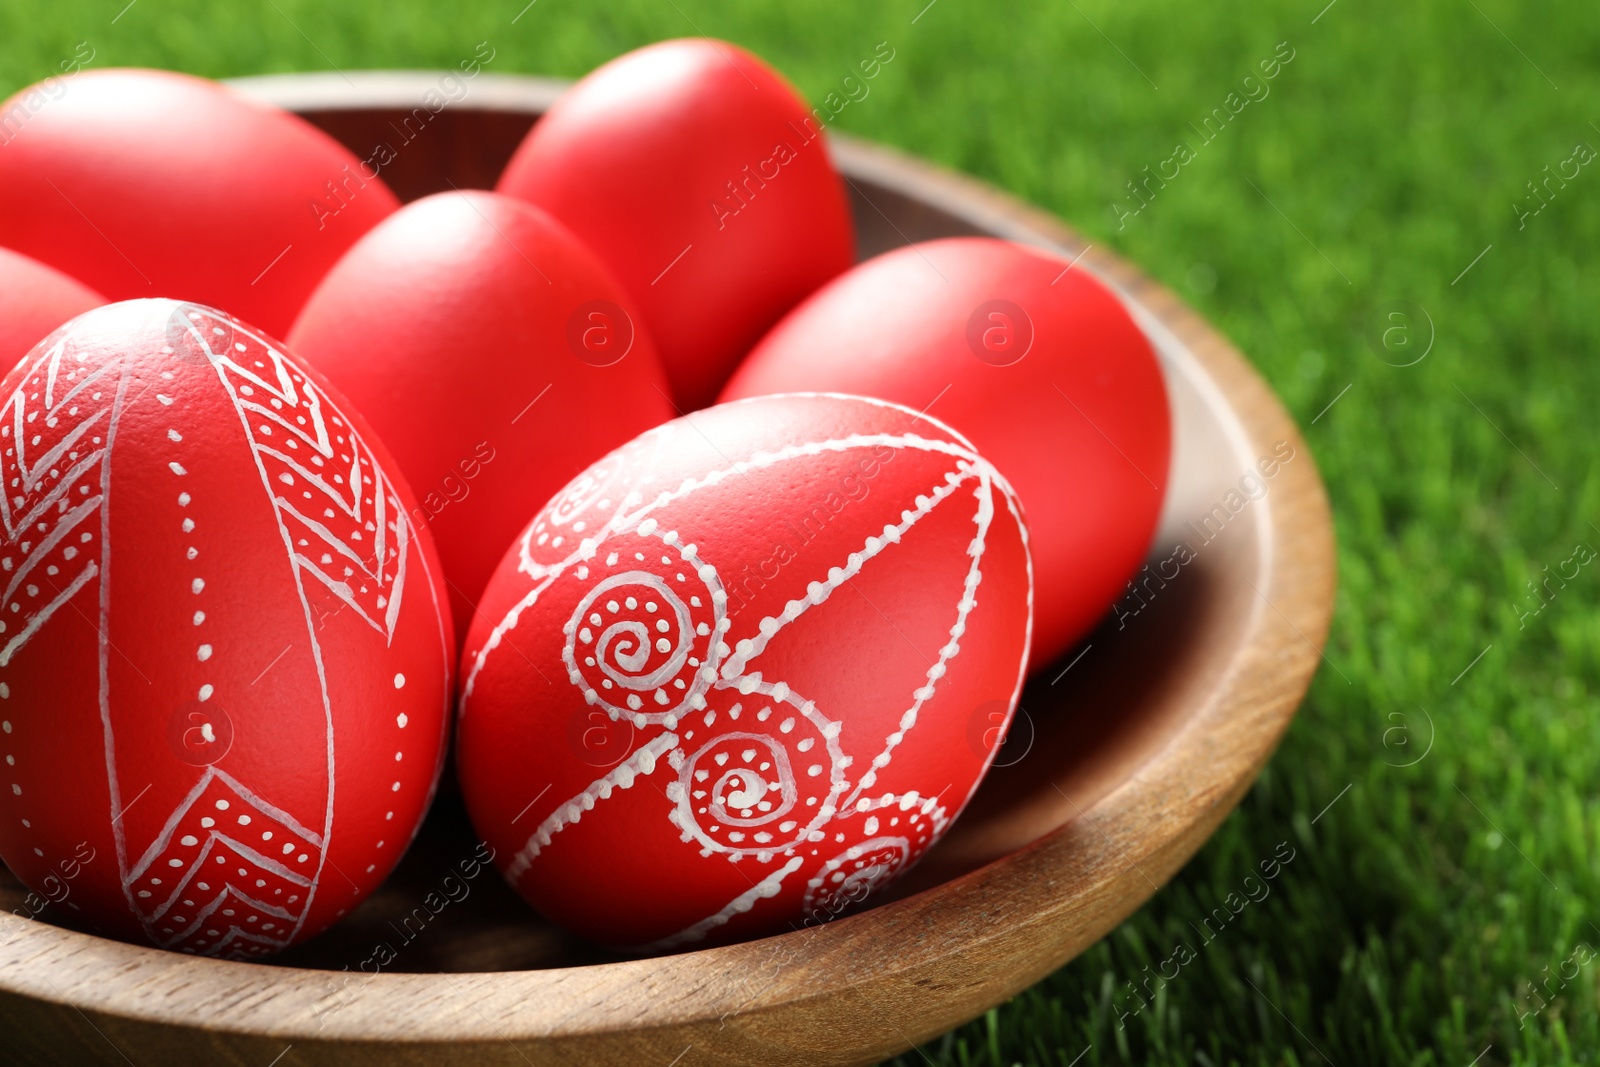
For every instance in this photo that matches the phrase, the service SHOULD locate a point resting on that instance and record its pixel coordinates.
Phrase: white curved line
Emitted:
(818, 592)
(622, 776)
(622, 522)
(767, 887)
(985, 515)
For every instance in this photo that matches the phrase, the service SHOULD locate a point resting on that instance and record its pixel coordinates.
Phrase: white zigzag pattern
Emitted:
(65, 395)
(24, 506)
(187, 867)
(306, 399)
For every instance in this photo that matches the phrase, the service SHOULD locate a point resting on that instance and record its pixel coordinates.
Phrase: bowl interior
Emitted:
(1086, 724)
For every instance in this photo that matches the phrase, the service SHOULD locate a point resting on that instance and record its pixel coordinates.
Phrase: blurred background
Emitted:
(1399, 228)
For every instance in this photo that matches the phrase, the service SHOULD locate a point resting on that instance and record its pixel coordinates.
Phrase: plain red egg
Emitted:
(1040, 365)
(496, 357)
(699, 176)
(744, 671)
(225, 655)
(34, 300)
(145, 183)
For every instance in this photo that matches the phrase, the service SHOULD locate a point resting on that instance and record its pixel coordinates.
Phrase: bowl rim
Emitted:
(991, 932)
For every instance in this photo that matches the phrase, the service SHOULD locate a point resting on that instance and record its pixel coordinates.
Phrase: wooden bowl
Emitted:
(1129, 754)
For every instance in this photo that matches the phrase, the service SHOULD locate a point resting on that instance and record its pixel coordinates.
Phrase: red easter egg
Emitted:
(496, 357)
(742, 697)
(144, 183)
(224, 653)
(1040, 365)
(699, 176)
(34, 300)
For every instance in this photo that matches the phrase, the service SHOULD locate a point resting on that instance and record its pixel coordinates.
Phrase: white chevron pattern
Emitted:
(338, 510)
(54, 428)
(226, 865)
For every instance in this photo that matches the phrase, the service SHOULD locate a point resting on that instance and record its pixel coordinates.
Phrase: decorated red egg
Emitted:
(34, 300)
(727, 681)
(1032, 358)
(224, 651)
(145, 183)
(699, 176)
(496, 357)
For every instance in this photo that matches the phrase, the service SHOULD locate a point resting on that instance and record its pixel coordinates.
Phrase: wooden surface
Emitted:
(1120, 769)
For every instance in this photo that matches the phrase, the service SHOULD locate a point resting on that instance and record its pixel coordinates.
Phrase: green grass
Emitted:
(1420, 907)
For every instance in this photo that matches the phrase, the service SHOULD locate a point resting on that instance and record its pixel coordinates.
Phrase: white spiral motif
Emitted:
(638, 629)
(750, 789)
(645, 639)
(585, 489)
(763, 772)
(854, 875)
(588, 507)
(557, 533)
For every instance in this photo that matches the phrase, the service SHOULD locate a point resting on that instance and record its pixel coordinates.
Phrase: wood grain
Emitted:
(1135, 754)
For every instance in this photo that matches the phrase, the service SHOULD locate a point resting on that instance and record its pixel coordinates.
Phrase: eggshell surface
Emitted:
(494, 355)
(699, 176)
(1033, 359)
(224, 652)
(34, 300)
(725, 683)
(145, 183)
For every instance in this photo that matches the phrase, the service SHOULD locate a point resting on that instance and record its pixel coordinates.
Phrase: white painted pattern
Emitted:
(58, 427)
(507, 623)
(622, 776)
(765, 889)
(113, 782)
(356, 547)
(342, 515)
(646, 644)
(872, 401)
(921, 819)
(818, 592)
(823, 900)
(855, 874)
(707, 792)
(224, 844)
(761, 460)
(969, 600)
(585, 509)
(235, 795)
(1015, 510)
(54, 428)
(747, 788)
(624, 520)
(911, 800)
(605, 494)
(53, 505)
